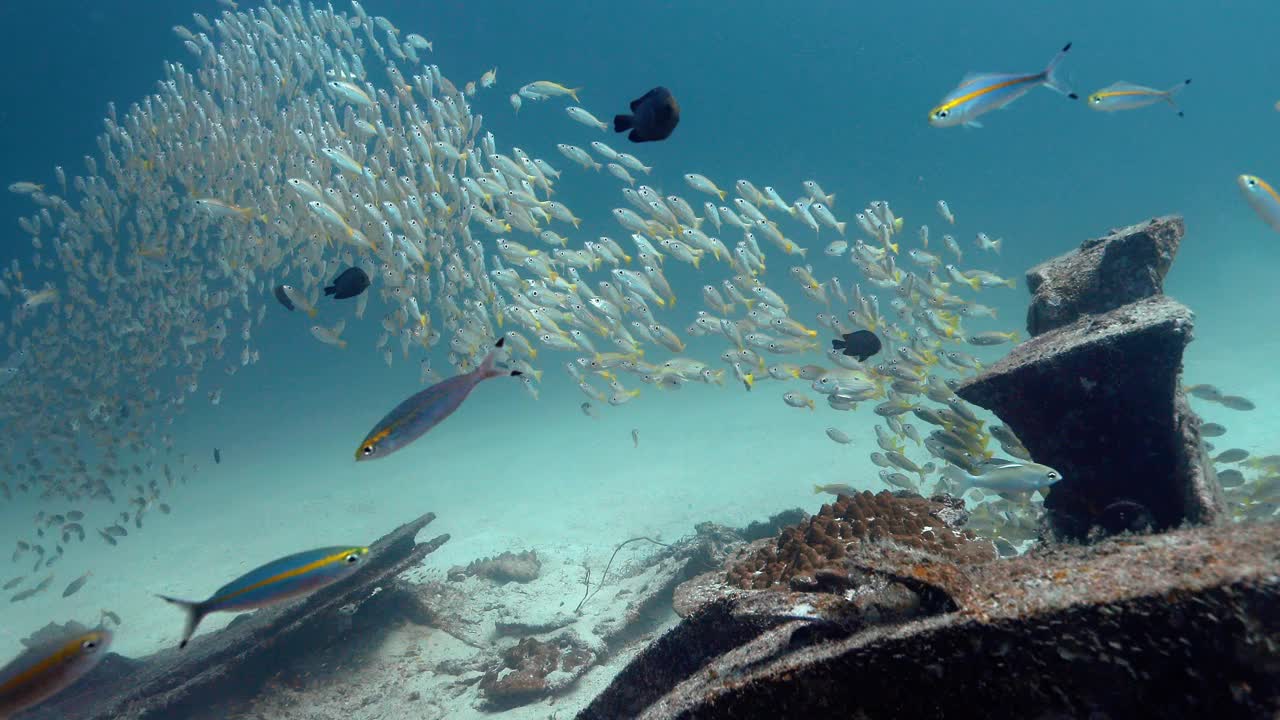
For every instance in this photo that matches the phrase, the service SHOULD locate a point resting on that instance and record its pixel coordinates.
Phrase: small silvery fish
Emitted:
(75, 585)
(1230, 478)
(32, 592)
(1010, 477)
(1128, 96)
(1212, 430)
(980, 93)
(1235, 402)
(1231, 456)
(839, 436)
(289, 577)
(1204, 392)
(412, 418)
(46, 669)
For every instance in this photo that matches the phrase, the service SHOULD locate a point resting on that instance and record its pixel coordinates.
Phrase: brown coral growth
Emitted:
(865, 518)
(526, 667)
(508, 567)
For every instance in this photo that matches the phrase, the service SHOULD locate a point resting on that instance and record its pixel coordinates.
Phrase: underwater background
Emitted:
(771, 92)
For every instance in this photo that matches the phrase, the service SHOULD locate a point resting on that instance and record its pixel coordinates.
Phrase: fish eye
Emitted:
(941, 114)
(353, 558)
(1053, 475)
(1096, 100)
(367, 450)
(89, 645)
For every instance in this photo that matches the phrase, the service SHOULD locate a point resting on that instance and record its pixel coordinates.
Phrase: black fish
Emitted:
(284, 299)
(652, 117)
(860, 344)
(217, 456)
(350, 283)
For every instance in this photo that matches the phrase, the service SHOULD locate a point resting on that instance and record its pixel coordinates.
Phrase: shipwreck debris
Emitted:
(1096, 393)
(1119, 628)
(235, 662)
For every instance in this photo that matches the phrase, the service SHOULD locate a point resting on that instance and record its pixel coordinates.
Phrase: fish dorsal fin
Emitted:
(636, 103)
(973, 77)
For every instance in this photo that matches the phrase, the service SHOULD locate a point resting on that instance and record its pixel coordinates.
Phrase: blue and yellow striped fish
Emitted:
(423, 410)
(980, 93)
(289, 577)
(46, 669)
(1262, 197)
(1127, 96)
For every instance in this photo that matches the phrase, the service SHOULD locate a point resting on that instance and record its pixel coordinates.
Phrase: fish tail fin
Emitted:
(841, 226)
(1177, 88)
(722, 195)
(1168, 95)
(330, 290)
(622, 123)
(342, 344)
(487, 367)
(817, 489)
(312, 312)
(997, 244)
(195, 613)
(960, 478)
(1053, 80)
(1012, 283)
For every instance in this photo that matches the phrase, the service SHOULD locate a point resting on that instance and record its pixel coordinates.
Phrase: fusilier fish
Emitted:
(289, 577)
(46, 669)
(1262, 198)
(424, 410)
(980, 93)
(1129, 96)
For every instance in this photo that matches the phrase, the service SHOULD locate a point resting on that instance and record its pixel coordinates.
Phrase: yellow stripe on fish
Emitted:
(338, 557)
(1262, 197)
(45, 670)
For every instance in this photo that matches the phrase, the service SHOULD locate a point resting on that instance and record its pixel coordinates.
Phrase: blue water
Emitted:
(772, 92)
